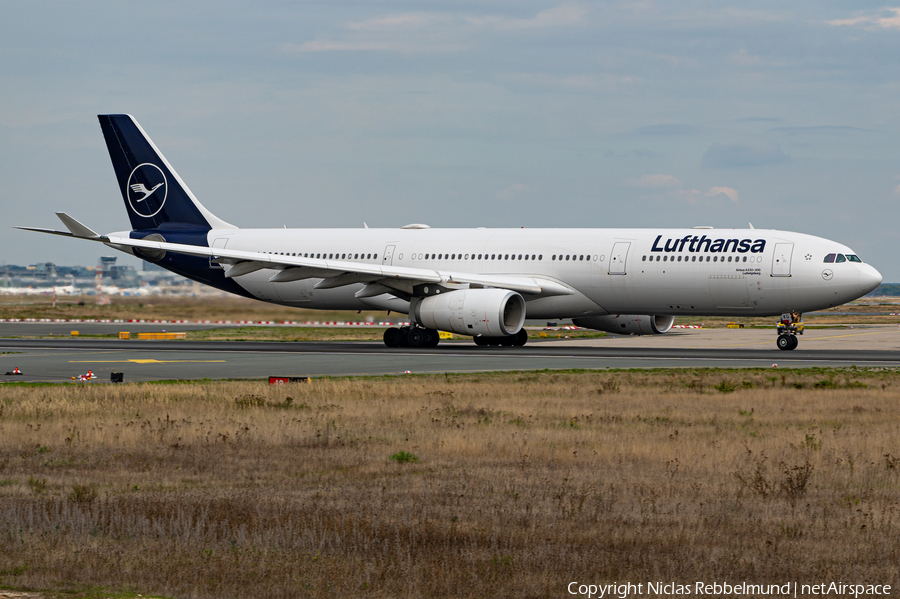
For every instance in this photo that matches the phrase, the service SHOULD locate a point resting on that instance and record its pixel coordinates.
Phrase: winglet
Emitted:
(76, 228)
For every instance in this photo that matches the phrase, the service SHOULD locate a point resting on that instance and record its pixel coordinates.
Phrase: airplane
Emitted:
(478, 282)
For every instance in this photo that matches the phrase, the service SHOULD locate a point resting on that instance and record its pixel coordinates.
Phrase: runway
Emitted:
(57, 360)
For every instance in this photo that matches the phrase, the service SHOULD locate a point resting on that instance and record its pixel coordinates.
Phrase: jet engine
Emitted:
(490, 312)
(632, 324)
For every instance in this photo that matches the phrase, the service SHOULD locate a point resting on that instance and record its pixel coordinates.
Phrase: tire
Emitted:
(403, 336)
(507, 340)
(435, 338)
(794, 342)
(480, 340)
(784, 342)
(392, 337)
(521, 338)
(419, 338)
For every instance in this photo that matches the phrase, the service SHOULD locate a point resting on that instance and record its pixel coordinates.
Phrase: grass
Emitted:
(238, 308)
(523, 483)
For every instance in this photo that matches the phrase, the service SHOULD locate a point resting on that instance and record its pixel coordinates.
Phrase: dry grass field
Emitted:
(489, 485)
(238, 308)
(230, 307)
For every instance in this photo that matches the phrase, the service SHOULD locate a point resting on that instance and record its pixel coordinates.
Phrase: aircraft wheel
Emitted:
(521, 338)
(403, 336)
(392, 337)
(494, 340)
(480, 340)
(508, 340)
(784, 342)
(794, 342)
(435, 338)
(419, 338)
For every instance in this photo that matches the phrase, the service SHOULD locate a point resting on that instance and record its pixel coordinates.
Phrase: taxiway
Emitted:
(57, 360)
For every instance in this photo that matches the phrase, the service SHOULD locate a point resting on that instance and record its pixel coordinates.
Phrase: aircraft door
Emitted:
(781, 260)
(618, 256)
(220, 242)
(388, 255)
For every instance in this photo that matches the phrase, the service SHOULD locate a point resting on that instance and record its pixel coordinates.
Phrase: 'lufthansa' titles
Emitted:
(692, 243)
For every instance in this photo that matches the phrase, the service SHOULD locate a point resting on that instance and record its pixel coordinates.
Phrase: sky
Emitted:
(460, 114)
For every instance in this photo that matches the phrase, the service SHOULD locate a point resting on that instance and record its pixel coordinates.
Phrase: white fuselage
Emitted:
(610, 271)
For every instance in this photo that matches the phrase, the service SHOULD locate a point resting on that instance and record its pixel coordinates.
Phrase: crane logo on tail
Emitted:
(146, 189)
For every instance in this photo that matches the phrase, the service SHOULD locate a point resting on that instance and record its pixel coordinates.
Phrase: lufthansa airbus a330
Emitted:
(478, 282)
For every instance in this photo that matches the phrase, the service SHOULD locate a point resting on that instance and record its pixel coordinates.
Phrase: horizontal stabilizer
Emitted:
(76, 228)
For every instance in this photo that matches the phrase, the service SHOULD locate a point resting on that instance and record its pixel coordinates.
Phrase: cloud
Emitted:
(654, 181)
(888, 19)
(728, 191)
(418, 32)
(897, 189)
(694, 196)
(738, 155)
(512, 191)
(819, 129)
(668, 130)
(332, 46)
(561, 16)
(402, 21)
(759, 119)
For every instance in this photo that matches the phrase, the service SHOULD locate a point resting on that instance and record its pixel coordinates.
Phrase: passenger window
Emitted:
(658, 258)
(532, 256)
(506, 257)
(679, 258)
(745, 258)
(729, 258)
(853, 258)
(540, 256)
(644, 259)
(693, 258)
(840, 258)
(665, 258)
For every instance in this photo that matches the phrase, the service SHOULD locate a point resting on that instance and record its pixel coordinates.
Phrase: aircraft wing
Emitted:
(335, 273)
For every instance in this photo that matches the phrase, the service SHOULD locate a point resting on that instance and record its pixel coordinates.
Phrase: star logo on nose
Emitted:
(808, 257)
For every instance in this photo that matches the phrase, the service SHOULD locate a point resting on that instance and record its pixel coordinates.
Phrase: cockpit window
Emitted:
(853, 258)
(840, 258)
(830, 258)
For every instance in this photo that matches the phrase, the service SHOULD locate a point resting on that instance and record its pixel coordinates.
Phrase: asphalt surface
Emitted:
(57, 360)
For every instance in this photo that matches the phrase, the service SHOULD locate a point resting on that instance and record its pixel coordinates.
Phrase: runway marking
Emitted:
(140, 361)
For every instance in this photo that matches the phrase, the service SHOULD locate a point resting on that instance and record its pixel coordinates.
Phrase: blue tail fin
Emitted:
(155, 196)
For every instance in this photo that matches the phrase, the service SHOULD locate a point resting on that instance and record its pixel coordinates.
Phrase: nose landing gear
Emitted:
(790, 325)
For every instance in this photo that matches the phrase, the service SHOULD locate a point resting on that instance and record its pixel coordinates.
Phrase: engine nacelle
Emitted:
(632, 324)
(490, 312)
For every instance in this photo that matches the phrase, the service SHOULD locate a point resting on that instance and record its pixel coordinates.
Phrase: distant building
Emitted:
(150, 266)
(108, 265)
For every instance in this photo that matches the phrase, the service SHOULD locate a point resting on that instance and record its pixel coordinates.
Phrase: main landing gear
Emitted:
(411, 337)
(421, 338)
(789, 327)
(517, 340)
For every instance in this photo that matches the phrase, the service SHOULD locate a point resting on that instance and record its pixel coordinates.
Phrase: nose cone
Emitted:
(869, 278)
